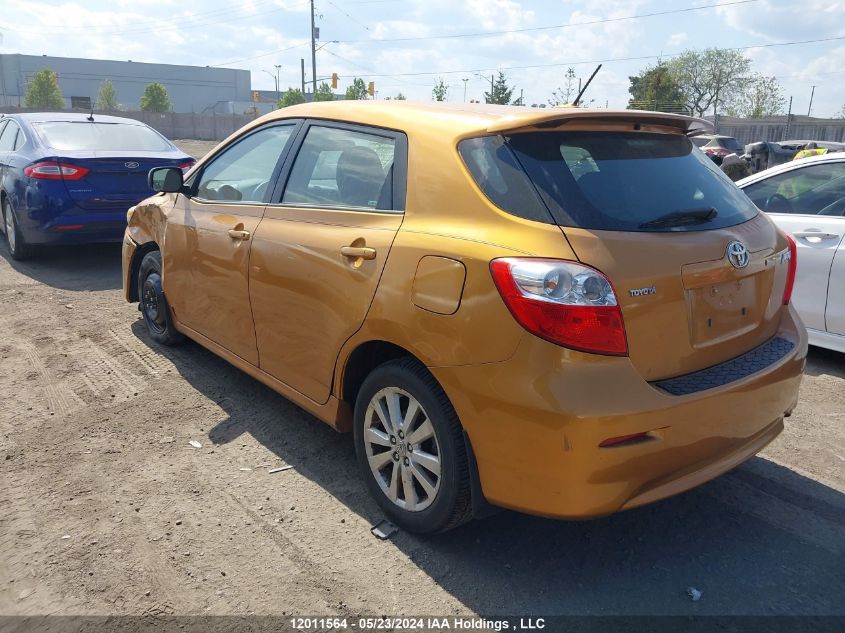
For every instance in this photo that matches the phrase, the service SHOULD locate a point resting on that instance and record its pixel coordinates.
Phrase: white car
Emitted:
(806, 198)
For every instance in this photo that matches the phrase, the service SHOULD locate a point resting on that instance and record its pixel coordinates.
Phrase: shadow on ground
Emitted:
(760, 540)
(77, 267)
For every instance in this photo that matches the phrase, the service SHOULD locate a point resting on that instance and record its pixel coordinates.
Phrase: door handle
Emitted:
(237, 234)
(816, 234)
(364, 252)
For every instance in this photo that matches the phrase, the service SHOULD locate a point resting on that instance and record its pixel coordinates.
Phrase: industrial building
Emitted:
(191, 88)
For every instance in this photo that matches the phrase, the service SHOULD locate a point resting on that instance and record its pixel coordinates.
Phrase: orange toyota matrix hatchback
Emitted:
(565, 312)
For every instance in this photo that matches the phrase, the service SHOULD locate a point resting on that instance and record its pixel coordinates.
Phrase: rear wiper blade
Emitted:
(682, 218)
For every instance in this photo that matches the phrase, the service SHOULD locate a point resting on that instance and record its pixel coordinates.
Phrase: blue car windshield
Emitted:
(85, 135)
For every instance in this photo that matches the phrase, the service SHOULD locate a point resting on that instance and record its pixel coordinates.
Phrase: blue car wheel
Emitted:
(18, 248)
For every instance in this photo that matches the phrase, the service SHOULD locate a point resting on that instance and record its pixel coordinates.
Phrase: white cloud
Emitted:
(678, 39)
(788, 21)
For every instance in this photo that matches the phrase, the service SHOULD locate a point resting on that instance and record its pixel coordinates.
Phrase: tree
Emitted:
(500, 92)
(568, 92)
(324, 93)
(708, 78)
(358, 90)
(656, 89)
(293, 96)
(107, 97)
(42, 91)
(841, 114)
(759, 97)
(400, 97)
(439, 91)
(155, 98)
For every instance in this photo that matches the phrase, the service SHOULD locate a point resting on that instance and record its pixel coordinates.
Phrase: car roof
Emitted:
(832, 157)
(41, 117)
(466, 118)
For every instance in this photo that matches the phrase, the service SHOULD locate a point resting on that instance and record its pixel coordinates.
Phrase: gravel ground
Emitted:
(105, 507)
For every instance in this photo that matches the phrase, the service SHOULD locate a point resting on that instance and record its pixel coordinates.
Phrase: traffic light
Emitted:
(371, 88)
(255, 96)
(334, 81)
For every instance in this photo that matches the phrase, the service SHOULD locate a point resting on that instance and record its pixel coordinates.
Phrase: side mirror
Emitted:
(166, 179)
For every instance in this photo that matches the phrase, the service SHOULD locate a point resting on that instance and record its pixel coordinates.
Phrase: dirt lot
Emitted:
(105, 507)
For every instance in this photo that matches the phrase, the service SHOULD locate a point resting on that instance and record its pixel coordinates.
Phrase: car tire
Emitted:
(18, 248)
(398, 467)
(153, 304)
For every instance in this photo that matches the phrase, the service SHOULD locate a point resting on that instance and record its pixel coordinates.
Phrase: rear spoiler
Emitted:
(691, 126)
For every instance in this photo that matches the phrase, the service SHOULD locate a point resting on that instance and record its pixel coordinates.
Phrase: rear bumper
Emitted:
(536, 421)
(73, 226)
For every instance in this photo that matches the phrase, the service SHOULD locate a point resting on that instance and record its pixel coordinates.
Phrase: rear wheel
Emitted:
(18, 248)
(410, 448)
(154, 307)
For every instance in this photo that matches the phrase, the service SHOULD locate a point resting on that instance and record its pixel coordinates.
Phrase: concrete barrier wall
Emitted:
(180, 125)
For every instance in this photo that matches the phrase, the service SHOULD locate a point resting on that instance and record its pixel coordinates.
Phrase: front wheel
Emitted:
(410, 449)
(154, 307)
(18, 248)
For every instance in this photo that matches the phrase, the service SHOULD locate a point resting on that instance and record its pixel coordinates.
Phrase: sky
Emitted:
(408, 45)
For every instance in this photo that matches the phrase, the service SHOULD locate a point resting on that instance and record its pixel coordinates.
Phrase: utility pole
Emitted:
(812, 93)
(278, 68)
(302, 65)
(465, 80)
(788, 119)
(313, 53)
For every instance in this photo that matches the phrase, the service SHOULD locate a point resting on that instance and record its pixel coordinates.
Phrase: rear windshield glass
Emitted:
(100, 136)
(618, 181)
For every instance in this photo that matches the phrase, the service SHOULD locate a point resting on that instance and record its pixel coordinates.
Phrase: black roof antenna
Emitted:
(90, 117)
(584, 89)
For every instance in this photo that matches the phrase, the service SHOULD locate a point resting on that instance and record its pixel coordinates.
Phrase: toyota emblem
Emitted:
(737, 254)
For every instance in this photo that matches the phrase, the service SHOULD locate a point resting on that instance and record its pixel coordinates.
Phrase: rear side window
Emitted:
(85, 135)
(627, 181)
(8, 136)
(498, 174)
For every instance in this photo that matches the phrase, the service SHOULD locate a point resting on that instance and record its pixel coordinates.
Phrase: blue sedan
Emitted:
(70, 178)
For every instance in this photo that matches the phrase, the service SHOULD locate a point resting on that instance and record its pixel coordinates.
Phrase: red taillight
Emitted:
(54, 170)
(187, 165)
(790, 272)
(564, 302)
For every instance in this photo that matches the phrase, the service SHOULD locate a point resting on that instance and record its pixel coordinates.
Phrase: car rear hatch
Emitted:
(112, 179)
(698, 271)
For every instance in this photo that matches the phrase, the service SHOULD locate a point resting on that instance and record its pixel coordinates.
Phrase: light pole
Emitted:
(275, 79)
(465, 80)
(313, 53)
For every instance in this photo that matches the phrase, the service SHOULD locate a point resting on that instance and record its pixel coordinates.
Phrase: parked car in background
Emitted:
(797, 146)
(717, 146)
(70, 178)
(806, 198)
(566, 312)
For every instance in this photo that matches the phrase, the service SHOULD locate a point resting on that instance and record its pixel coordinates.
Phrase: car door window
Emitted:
(8, 136)
(812, 190)
(338, 167)
(243, 171)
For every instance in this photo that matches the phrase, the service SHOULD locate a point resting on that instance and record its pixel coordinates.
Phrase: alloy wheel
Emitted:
(402, 449)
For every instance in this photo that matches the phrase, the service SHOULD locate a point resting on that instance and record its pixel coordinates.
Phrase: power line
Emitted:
(275, 52)
(546, 28)
(598, 61)
(359, 23)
